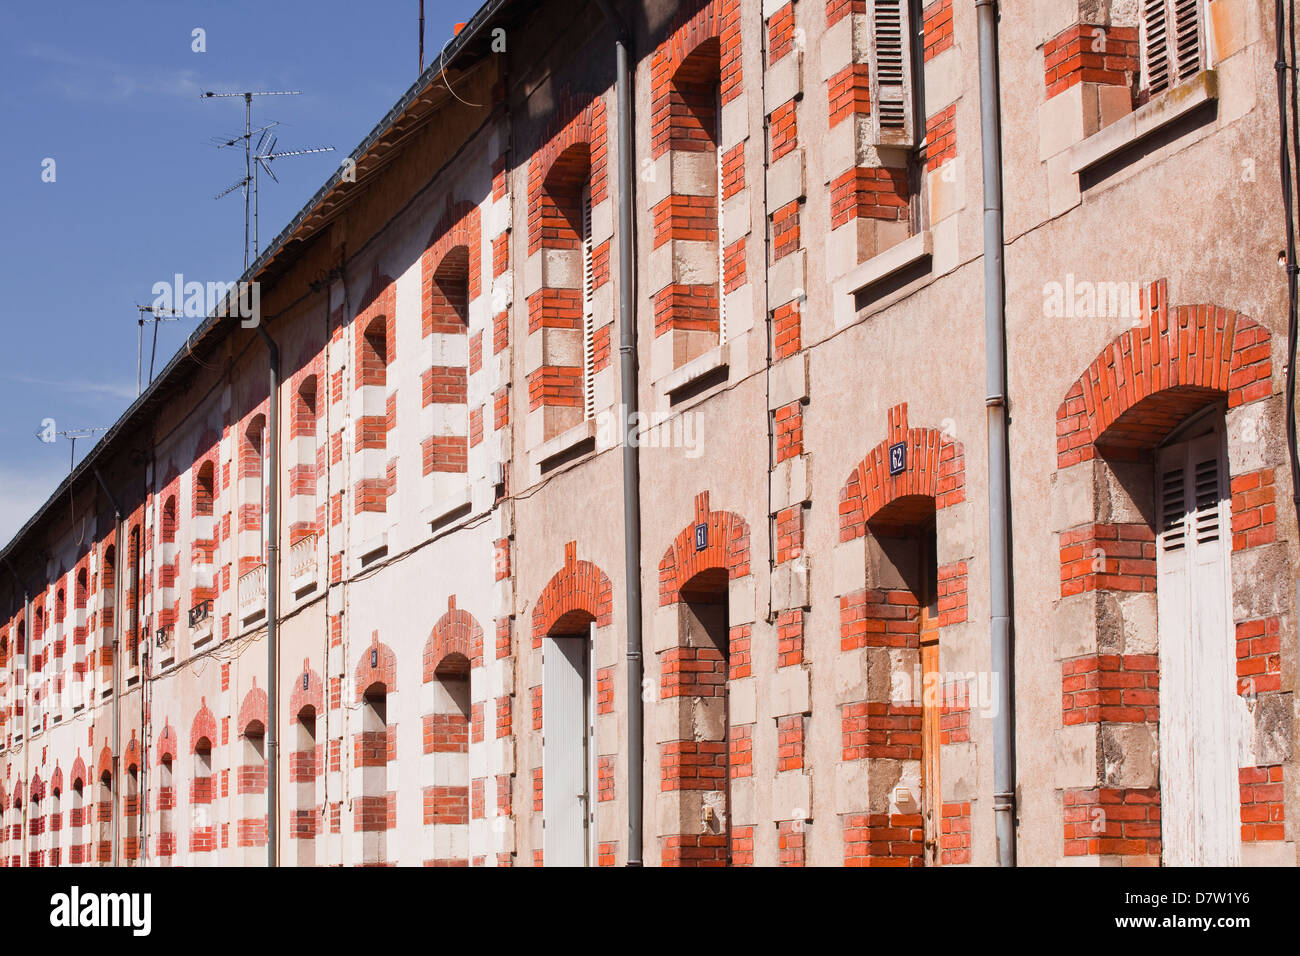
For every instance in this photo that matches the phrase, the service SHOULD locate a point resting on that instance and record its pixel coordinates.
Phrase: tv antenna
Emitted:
(247, 139)
(263, 156)
(73, 434)
(155, 316)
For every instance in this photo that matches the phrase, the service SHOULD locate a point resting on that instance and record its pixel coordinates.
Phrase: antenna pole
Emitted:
(421, 36)
(139, 351)
(248, 159)
(249, 182)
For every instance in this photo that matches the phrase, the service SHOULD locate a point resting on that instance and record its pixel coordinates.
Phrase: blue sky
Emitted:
(110, 92)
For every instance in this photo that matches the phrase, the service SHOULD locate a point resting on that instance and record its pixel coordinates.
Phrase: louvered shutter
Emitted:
(1188, 38)
(722, 239)
(1199, 740)
(891, 73)
(588, 312)
(1173, 43)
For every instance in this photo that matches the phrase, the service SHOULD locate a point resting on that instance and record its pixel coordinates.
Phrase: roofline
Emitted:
(200, 336)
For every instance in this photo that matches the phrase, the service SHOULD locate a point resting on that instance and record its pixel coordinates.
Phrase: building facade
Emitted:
(445, 450)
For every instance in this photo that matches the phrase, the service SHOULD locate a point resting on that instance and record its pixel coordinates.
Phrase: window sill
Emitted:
(890, 262)
(1169, 107)
(445, 510)
(712, 362)
(564, 444)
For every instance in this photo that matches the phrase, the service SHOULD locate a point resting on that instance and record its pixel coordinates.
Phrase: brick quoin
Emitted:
(1263, 815)
(1115, 557)
(1110, 688)
(1086, 53)
(1112, 821)
(1254, 509)
(1259, 656)
(954, 834)
(936, 28)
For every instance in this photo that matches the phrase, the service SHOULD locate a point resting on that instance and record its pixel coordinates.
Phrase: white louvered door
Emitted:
(565, 792)
(1200, 817)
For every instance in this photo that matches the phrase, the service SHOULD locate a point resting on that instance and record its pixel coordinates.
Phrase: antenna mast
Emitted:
(248, 144)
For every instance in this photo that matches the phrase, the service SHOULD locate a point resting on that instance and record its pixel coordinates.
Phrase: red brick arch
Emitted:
(378, 302)
(579, 120)
(36, 790)
(166, 744)
(577, 592)
(1173, 362)
(714, 21)
(312, 696)
(105, 764)
(4, 807)
(455, 633)
(460, 226)
(132, 756)
(727, 550)
(383, 672)
(78, 774)
(205, 725)
(935, 472)
(56, 781)
(252, 709)
(1154, 375)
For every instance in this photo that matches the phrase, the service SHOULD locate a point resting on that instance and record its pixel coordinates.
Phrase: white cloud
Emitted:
(97, 79)
(115, 389)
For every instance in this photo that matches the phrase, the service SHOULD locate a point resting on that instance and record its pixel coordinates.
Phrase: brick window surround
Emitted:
(1173, 363)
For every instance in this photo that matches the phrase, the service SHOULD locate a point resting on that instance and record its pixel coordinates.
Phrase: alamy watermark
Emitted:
(1084, 299)
(198, 300)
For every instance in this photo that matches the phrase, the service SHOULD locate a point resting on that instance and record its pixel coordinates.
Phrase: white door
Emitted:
(565, 791)
(1200, 814)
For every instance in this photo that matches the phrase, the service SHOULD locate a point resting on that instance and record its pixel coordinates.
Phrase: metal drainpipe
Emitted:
(629, 407)
(27, 702)
(272, 594)
(995, 362)
(117, 657)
